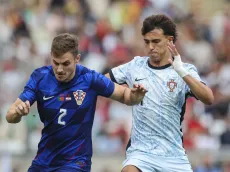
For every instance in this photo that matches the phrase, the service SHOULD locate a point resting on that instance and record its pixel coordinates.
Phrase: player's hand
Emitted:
(176, 63)
(23, 108)
(138, 92)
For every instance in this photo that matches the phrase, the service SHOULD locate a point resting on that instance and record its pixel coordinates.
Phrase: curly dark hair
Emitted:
(160, 21)
(64, 43)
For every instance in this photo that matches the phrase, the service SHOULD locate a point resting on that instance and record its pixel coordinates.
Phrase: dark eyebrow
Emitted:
(67, 61)
(55, 61)
(151, 40)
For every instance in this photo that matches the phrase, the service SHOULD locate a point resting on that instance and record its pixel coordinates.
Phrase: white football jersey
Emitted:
(156, 124)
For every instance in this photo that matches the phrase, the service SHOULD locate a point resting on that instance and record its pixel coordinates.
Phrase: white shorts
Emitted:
(153, 163)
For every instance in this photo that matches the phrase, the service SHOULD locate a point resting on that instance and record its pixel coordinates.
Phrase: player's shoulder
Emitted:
(83, 71)
(139, 60)
(189, 66)
(41, 72)
(86, 73)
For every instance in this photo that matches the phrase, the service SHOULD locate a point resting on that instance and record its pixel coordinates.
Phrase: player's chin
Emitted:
(155, 58)
(61, 78)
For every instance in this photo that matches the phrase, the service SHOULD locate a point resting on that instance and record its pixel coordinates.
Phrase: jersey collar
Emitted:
(160, 67)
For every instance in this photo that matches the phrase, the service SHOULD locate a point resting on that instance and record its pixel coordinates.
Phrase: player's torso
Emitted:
(53, 98)
(67, 111)
(157, 120)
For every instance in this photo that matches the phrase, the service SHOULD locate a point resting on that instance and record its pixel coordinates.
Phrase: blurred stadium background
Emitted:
(109, 33)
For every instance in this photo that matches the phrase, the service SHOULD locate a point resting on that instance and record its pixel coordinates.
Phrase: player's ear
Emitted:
(78, 57)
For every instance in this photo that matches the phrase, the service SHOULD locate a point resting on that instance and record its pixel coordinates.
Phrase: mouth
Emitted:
(60, 76)
(154, 54)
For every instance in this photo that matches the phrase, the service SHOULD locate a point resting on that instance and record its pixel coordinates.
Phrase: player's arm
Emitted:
(22, 105)
(128, 96)
(200, 90)
(17, 110)
(107, 75)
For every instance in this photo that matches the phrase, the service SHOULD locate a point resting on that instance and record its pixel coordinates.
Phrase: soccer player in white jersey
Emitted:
(156, 143)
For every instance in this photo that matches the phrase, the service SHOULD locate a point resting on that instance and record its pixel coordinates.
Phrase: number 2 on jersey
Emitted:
(63, 112)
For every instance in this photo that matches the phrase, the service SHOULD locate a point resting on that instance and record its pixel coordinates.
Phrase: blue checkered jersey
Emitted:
(67, 111)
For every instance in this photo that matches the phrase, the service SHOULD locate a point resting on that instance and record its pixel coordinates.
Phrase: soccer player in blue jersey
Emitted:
(66, 95)
(156, 136)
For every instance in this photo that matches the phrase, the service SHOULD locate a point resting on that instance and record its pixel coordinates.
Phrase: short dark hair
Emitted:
(160, 21)
(64, 43)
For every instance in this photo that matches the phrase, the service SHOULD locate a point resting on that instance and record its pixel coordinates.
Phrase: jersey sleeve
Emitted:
(194, 73)
(29, 92)
(121, 74)
(102, 85)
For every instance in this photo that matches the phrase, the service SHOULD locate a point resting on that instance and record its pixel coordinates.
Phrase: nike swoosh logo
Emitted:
(47, 98)
(139, 79)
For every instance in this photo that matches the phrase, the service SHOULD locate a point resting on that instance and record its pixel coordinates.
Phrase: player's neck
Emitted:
(161, 63)
(71, 76)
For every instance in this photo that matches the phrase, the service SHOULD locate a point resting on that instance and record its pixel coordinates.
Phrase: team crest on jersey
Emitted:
(172, 85)
(79, 96)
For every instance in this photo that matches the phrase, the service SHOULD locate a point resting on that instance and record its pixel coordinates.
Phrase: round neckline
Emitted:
(158, 67)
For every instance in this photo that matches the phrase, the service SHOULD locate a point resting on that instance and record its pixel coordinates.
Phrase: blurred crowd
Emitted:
(109, 35)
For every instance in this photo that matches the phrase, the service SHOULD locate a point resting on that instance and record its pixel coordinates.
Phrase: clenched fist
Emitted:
(23, 108)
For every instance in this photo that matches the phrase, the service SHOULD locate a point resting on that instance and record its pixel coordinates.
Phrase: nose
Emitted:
(151, 46)
(59, 69)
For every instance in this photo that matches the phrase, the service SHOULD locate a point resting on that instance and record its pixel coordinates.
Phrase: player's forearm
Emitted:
(200, 90)
(12, 116)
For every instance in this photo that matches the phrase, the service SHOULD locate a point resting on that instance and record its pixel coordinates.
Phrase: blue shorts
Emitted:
(37, 168)
(153, 163)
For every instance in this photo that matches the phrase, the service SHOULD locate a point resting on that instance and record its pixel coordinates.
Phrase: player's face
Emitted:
(156, 45)
(64, 66)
